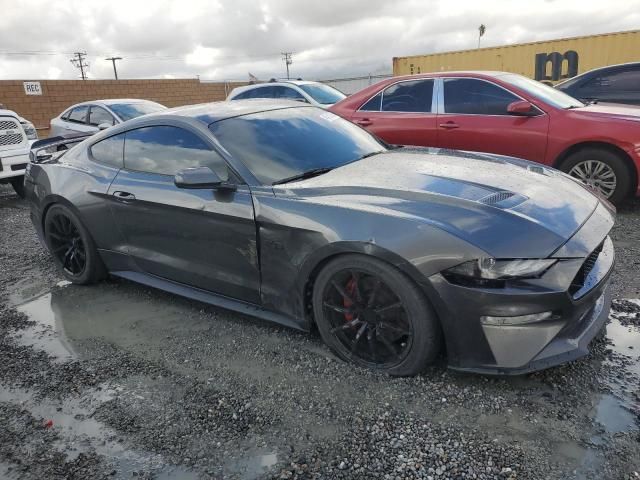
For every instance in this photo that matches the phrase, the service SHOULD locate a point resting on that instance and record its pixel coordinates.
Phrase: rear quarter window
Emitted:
(109, 151)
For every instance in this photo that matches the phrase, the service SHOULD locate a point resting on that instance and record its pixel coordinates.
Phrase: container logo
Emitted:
(558, 62)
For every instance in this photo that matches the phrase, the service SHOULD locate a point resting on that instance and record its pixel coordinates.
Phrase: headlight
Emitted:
(490, 272)
(30, 130)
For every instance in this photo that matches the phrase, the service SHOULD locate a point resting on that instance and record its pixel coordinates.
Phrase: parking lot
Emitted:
(118, 380)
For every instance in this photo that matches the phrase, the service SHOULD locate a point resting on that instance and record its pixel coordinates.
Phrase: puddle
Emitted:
(251, 466)
(48, 332)
(80, 433)
(613, 416)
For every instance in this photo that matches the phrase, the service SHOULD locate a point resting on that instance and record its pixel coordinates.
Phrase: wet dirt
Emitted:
(142, 384)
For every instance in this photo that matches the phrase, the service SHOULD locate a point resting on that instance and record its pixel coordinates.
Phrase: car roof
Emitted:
(455, 73)
(595, 71)
(213, 112)
(112, 101)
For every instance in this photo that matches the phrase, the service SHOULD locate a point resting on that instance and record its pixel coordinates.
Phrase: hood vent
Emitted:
(503, 199)
(496, 198)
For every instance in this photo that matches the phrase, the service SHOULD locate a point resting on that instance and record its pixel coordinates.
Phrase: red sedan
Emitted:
(507, 114)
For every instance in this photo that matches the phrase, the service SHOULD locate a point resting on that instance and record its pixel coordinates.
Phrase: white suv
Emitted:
(315, 93)
(16, 137)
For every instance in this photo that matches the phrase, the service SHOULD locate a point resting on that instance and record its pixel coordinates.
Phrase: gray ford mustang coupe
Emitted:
(290, 213)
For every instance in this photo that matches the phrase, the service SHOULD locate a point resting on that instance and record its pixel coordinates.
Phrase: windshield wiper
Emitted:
(371, 154)
(301, 176)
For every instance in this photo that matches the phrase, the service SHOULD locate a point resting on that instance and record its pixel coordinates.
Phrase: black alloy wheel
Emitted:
(370, 313)
(367, 318)
(66, 244)
(71, 246)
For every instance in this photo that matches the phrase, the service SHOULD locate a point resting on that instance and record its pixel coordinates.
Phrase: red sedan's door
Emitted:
(402, 114)
(473, 116)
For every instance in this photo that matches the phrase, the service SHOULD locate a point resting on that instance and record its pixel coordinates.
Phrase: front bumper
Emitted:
(578, 314)
(13, 165)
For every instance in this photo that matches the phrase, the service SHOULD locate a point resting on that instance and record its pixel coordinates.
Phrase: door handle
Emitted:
(449, 125)
(124, 196)
(364, 122)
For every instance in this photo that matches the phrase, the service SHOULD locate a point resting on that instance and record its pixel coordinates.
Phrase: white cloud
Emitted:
(225, 39)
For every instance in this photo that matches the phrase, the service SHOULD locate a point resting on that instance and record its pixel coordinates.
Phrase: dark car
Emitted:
(507, 114)
(293, 214)
(614, 84)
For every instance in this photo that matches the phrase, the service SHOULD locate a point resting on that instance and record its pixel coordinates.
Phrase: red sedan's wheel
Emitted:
(602, 170)
(370, 313)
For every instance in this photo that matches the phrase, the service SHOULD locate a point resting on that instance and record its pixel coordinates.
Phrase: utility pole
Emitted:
(286, 56)
(113, 60)
(79, 62)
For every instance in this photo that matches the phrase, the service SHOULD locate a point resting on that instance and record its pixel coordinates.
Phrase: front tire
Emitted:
(372, 314)
(603, 170)
(72, 247)
(18, 185)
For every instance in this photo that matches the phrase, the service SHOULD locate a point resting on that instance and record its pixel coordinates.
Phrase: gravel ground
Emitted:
(120, 381)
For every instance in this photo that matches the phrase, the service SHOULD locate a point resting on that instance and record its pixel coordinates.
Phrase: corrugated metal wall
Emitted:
(592, 52)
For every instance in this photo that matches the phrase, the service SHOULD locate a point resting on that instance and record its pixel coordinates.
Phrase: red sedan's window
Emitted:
(373, 105)
(412, 96)
(476, 97)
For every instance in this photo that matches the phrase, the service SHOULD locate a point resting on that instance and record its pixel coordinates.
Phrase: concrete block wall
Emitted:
(57, 95)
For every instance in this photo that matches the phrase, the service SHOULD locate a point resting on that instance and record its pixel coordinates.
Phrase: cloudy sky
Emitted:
(226, 39)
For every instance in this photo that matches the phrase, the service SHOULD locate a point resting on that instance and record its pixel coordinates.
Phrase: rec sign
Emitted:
(32, 88)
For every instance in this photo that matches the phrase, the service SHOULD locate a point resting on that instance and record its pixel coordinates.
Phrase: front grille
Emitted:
(8, 125)
(585, 269)
(13, 139)
(10, 133)
(19, 166)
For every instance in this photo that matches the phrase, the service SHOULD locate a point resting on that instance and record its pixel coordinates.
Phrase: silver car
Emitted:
(315, 93)
(90, 117)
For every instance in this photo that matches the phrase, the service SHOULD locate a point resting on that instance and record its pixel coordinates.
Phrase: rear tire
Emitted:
(397, 332)
(601, 169)
(72, 247)
(18, 185)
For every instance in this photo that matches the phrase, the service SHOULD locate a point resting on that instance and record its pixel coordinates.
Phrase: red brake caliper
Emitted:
(350, 288)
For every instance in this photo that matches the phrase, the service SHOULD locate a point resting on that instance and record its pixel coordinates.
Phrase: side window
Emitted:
(98, 116)
(65, 115)
(263, 92)
(109, 150)
(286, 92)
(414, 96)
(167, 150)
(245, 95)
(78, 114)
(471, 96)
(373, 105)
(626, 80)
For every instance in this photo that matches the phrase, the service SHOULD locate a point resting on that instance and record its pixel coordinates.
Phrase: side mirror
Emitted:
(522, 108)
(201, 177)
(104, 126)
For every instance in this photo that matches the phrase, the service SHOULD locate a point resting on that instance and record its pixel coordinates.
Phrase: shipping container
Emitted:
(549, 61)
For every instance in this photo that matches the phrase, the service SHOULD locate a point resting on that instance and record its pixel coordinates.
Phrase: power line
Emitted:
(79, 62)
(286, 56)
(113, 60)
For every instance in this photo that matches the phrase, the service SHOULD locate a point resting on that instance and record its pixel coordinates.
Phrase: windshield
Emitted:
(279, 144)
(323, 94)
(127, 111)
(543, 92)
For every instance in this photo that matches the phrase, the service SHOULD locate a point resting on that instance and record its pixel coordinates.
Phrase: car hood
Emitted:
(510, 208)
(609, 110)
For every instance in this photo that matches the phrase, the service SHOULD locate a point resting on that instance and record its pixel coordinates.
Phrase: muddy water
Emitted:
(123, 315)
